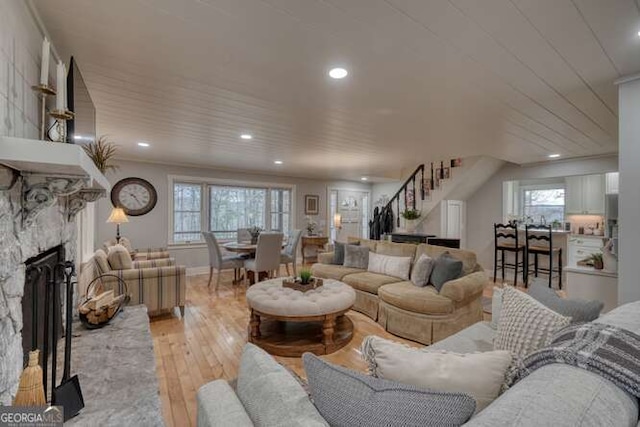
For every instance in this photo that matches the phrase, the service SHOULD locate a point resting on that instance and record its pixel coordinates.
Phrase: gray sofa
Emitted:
(558, 395)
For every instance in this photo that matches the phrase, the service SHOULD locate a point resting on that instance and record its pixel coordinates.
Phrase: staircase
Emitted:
(429, 185)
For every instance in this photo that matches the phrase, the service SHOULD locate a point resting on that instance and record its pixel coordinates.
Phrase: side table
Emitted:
(318, 242)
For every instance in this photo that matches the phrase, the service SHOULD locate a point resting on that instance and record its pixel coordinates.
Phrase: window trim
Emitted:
(204, 182)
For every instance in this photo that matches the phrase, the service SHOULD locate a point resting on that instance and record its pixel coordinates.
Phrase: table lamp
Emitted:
(337, 221)
(117, 217)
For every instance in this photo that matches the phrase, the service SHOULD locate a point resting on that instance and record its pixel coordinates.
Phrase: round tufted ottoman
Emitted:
(286, 322)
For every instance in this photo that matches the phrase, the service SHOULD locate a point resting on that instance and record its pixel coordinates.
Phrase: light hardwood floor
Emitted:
(206, 345)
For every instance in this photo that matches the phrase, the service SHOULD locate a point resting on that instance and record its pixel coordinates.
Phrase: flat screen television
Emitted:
(82, 129)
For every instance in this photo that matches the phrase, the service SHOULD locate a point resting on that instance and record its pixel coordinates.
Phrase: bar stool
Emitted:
(506, 240)
(539, 239)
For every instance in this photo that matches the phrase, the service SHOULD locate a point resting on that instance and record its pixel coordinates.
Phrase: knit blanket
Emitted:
(611, 352)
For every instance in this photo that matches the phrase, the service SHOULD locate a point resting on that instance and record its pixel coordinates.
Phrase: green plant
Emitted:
(596, 260)
(305, 277)
(411, 214)
(102, 152)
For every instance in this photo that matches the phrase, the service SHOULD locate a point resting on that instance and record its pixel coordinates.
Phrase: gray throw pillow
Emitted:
(422, 270)
(445, 268)
(578, 310)
(348, 398)
(356, 256)
(338, 252)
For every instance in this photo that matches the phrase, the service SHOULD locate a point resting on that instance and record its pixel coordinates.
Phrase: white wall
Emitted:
(20, 48)
(151, 230)
(629, 199)
(484, 208)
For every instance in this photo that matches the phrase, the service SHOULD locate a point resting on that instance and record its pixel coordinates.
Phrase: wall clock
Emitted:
(136, 196)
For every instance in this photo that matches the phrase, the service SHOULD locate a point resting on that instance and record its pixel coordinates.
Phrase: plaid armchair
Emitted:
(158, 283)
(138, 254)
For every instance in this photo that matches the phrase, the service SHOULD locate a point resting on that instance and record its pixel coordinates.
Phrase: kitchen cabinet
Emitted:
(584, 195)
(612, 182)
(582, 247)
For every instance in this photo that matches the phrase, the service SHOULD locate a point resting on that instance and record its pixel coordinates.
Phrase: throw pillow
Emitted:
(422, 270)
(579, 310)
(480, 375)
(338, 252)
(270, 394)
(525, 325)
(101, 262)
(349, 398)
(445, 268)
(496, 306)
(119, 258)
(356, 256)
(394, 266)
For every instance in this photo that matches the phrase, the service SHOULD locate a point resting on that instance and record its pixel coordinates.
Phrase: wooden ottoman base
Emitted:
(293, 336)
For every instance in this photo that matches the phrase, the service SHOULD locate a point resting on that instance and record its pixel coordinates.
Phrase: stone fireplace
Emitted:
(19, 243)
(42, 188)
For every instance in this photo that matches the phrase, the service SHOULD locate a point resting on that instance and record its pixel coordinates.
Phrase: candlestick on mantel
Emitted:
(44, 69)
(60, 87)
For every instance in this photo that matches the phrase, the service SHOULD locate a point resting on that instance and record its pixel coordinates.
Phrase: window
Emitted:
(235, 207)
(543, 204)
(187, 212)
(224, 208)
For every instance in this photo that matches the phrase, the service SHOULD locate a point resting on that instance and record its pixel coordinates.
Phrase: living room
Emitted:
(319, 212)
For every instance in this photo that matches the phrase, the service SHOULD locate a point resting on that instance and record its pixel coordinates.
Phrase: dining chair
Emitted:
(244, 235)
(267, 256)
(219, 262)
(290, 251)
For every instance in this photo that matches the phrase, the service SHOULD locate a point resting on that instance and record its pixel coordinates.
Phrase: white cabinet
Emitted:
(589, 284)
(612, 182)
(584, 195)
(581, 247)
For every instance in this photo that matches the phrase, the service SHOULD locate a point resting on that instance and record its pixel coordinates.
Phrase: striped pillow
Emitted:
(119, 258)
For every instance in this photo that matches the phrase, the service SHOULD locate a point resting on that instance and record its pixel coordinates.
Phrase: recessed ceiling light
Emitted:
(338, 73)
(278, 162)
(364, 178)
(246, 136)
(554, 156)
(143, 144)
(638, 33)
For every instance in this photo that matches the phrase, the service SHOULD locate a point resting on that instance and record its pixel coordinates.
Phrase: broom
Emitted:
(31, 388)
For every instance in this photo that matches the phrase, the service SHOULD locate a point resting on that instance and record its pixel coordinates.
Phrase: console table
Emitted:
(317, 242)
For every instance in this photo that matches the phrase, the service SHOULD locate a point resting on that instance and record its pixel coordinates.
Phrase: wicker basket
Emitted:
(94, 318)
(296, 284)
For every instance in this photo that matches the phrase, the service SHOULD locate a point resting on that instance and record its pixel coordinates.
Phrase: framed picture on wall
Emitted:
(311, 204)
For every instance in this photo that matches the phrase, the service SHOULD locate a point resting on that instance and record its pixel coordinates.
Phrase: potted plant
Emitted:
(596, 260)
(102, 153)
(411, 217)
(255, 233)
(305, 277)
(311, 226)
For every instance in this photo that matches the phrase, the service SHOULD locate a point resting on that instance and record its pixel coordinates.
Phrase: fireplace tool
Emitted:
(68, 394)
(31, 388)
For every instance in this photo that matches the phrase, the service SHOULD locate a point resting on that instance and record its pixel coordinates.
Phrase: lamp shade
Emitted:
(337, 220)
(117, 216)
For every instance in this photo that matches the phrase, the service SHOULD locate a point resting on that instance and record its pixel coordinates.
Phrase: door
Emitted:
(349, 214)
(453, 220)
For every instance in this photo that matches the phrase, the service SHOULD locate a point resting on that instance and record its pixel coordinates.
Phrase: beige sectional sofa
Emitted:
(420, 314)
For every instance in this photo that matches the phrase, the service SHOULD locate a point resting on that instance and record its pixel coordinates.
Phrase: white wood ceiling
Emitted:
(429, 79)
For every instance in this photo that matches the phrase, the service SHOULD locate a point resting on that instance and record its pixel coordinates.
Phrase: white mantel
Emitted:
(50, 171)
